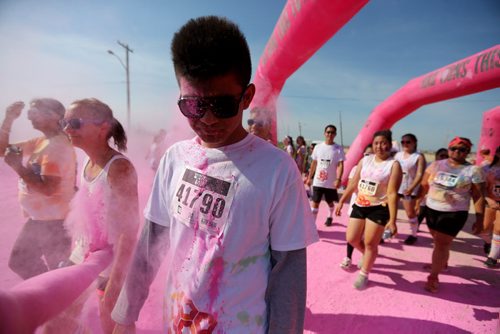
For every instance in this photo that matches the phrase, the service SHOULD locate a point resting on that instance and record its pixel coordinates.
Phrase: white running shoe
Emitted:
(361, 282)
(346, 263)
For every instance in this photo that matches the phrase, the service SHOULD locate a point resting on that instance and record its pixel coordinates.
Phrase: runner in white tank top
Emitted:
(413, 166)
(377, 179)
(107, 211)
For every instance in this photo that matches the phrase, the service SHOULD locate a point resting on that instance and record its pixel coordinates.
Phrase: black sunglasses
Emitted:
(251, 122)
(331, 132)
(195, 107)
(405, 142)
(459, 149)
(77, 123)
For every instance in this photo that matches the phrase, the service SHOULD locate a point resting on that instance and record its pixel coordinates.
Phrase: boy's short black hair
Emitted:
(208, 47)
(331, 126)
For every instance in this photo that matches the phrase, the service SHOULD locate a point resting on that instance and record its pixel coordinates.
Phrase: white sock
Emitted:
(330, 215)
(413, 226)
(314, 211)
(495, 247)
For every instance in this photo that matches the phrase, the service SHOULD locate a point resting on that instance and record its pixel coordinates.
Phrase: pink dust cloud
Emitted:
(38, 299)
(92, 228)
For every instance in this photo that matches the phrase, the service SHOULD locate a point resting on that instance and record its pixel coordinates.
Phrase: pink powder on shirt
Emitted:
(216, 273)
(196, 156)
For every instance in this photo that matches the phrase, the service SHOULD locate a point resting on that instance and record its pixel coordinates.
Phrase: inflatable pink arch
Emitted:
(471, 75)
(490, 133)
(303, 27)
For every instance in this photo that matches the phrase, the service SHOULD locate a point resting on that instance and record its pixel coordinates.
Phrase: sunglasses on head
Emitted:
(195, 107)
(459, 149)
(77, 123)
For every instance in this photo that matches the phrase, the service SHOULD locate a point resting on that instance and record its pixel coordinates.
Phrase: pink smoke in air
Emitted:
(32, 302)
(38, 299)
(93, 228)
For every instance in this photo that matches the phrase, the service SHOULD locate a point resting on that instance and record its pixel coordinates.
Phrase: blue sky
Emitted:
(59, 49)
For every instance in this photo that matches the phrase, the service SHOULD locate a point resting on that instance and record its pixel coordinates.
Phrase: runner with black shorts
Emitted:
(377, 179)
(449, 185)
(325, 172)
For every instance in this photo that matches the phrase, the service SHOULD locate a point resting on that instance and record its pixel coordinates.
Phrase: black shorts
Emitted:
(405, 197)
(331, 195)
(449, 223)
(378, 214)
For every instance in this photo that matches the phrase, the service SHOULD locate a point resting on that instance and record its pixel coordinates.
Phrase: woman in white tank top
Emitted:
(377, 179)
(413, 165)
(105, 211)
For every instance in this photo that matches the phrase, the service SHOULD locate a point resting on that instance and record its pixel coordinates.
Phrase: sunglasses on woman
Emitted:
(77, 123)
(195, 107)
(251, 122)
(459, 149)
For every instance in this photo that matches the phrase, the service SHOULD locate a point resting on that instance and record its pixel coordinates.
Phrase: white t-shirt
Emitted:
(374, 181)
(409, 167)
(327, 158)
(226, 207)
(449, 186)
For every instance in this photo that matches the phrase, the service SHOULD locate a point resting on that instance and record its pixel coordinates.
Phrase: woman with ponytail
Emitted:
(105, 211)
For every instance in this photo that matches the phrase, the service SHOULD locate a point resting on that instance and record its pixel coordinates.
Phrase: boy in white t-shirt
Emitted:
(234, 234)
(325, 172)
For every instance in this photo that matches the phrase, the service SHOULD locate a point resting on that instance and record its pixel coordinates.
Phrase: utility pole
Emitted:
(300, 129)
(340, 128)
(127, 72)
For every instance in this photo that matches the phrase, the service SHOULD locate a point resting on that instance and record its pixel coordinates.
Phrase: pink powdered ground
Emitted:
(394, 302)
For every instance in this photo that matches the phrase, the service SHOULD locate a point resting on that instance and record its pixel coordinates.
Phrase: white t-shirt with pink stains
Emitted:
(450, 186)
(226, 207)
(373, 181)
(327, 158)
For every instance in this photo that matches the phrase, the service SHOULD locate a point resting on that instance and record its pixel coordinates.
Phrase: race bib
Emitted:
(447, 180)
(202, 201)
(367, 187)
(322, 174)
